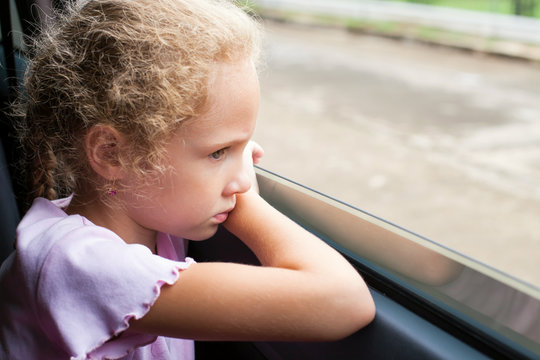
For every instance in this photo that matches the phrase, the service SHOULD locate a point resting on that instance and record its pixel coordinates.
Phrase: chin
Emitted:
(202, 235)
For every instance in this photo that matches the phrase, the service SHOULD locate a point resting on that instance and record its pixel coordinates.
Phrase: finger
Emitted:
(257, 152)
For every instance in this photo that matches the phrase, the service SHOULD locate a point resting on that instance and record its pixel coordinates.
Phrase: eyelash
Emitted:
(217, 155)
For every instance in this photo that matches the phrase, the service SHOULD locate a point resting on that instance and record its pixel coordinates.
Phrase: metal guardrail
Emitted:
(506, 27)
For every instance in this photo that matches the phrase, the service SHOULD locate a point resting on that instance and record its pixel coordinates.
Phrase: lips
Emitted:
(221, 217)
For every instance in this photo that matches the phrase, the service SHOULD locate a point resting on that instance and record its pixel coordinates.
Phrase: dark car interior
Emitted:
(410, 324)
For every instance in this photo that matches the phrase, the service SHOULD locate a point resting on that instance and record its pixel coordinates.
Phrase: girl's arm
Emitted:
(305, 290)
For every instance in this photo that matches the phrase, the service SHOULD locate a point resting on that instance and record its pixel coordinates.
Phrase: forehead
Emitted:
(232, 105)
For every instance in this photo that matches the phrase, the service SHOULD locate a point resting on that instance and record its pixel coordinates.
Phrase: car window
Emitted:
(16, 33)
(441, 140)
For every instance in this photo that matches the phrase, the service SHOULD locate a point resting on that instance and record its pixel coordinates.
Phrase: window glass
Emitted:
(441, 141)
(462, 293)
(16, 25)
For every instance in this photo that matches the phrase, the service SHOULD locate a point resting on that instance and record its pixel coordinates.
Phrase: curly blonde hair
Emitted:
(141, 67)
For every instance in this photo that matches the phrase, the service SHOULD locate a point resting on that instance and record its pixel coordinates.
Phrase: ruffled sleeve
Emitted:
(91, 283)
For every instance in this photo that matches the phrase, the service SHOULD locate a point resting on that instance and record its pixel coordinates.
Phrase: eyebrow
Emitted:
(226, 144)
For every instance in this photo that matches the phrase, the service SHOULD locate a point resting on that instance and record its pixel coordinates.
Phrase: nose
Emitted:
(241, 181)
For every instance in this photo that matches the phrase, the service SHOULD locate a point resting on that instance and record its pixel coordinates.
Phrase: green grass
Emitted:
(495, 6)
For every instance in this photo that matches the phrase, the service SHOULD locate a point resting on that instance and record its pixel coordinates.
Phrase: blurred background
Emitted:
(424, 113)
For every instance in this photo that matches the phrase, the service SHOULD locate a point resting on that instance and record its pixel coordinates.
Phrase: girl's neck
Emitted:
(114, 219)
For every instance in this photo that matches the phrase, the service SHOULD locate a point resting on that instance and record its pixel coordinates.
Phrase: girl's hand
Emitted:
(256, 151)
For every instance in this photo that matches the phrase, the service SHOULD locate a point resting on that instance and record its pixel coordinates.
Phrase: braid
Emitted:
(42, 166)
(47, 174)
(42, 182)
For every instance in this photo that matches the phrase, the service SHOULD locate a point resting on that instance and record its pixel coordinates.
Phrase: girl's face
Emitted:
(206, 163)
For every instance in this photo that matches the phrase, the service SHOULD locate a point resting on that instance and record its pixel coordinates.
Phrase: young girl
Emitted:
(138, 121)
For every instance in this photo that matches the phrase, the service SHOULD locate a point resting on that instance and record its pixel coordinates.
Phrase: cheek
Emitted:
(195, 186)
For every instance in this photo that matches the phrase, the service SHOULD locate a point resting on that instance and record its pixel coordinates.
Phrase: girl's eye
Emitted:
(216, 155)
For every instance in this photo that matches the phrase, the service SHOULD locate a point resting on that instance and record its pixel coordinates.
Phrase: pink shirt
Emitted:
(71, 287)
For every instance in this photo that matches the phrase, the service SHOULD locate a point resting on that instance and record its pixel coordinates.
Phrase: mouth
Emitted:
(221, 217)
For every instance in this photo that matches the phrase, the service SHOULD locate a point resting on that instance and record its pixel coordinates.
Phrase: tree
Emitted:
(524, 7)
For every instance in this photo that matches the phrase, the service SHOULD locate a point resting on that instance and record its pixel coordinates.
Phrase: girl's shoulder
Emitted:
(46, 230)
(50, 240)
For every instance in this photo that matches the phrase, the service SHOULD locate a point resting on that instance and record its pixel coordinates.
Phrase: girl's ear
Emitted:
(103, 145)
